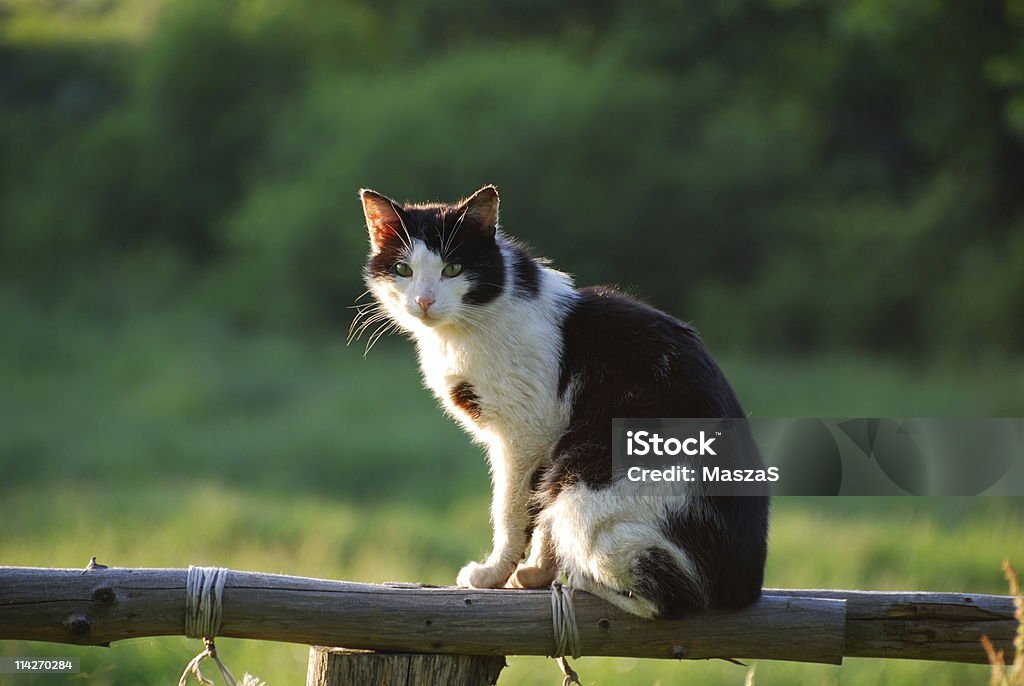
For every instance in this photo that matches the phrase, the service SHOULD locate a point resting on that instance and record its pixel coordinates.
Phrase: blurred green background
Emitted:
(832, 192)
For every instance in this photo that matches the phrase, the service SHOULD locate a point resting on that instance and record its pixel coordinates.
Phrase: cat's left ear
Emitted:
(481, 209)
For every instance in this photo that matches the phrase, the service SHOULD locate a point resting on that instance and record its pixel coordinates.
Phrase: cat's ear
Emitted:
(383, 218)
(481, 210)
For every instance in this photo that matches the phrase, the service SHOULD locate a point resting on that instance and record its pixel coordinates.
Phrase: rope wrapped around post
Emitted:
(567, 634)
(204, 594)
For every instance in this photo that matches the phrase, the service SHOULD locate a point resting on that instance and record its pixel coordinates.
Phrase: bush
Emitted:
(789, 175)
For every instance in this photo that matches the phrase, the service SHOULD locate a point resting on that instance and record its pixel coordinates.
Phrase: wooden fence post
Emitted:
(343, 667)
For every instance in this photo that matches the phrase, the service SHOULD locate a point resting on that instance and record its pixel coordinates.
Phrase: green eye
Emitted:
(453, 269)
(402, 269)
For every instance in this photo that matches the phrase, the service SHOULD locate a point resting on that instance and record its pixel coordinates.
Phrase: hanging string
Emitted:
(567, 635)
(204, 594)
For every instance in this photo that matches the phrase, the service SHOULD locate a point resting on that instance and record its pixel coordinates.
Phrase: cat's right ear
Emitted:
(383, 218)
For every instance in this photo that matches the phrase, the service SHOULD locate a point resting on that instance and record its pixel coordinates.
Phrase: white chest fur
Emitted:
(510, 360)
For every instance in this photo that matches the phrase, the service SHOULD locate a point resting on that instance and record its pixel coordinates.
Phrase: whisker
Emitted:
(472, 315)
(448, 254)
(362, 306)
(370, 340)
(444, 251)
(381, 331)
(440, 234)
(367, 324)
(363, 320)
(404, 242)
(404, 227)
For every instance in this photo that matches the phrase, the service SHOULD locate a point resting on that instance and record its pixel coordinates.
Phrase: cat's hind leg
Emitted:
(613, 544)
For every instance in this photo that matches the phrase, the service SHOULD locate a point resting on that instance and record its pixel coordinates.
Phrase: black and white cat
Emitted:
(536, 369)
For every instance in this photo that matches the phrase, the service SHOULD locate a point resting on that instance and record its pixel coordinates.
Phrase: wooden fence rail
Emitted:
(103, 605)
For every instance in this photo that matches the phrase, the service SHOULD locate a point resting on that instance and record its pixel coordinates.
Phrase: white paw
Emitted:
(528, 576)
(476, 575)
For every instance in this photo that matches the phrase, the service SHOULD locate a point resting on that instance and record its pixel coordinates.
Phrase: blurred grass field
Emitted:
(165, 438)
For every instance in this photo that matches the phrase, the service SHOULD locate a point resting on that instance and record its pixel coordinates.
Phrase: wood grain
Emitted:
(104, 605)
(948, 626)
(343, 667)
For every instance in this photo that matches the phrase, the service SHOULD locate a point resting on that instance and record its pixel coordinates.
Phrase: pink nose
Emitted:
(424, 302)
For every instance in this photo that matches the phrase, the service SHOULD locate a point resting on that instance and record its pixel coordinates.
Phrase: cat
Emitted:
(536, 369)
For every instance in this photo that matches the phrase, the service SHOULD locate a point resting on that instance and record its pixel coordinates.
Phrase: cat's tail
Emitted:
(633, 565)
(661, 578)
(656, 584)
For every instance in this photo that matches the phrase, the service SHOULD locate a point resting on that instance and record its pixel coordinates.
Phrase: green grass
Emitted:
(163, 439)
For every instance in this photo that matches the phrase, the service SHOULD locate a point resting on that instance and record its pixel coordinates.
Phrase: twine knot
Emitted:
(567, 634)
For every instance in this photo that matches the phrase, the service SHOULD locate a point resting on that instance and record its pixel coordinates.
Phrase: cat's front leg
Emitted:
(541, 568)
(511, 518)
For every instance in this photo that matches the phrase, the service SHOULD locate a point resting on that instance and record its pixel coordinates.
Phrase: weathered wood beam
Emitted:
(103, 605)
(920, 625)
(113, 604)
(345, 667)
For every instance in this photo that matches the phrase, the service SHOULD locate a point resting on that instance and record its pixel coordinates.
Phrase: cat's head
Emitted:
(433, 265)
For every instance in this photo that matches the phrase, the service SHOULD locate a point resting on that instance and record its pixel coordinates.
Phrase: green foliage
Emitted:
(558, 134)
(789, 174)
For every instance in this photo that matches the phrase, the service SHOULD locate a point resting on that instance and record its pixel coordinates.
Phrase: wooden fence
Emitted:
(101, 605)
